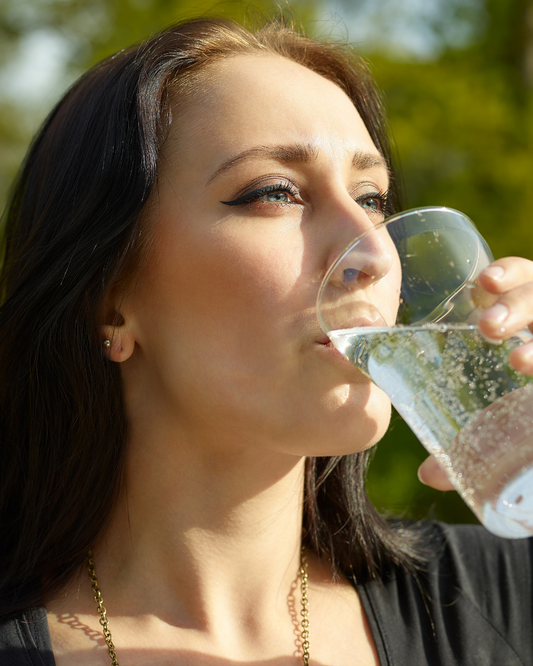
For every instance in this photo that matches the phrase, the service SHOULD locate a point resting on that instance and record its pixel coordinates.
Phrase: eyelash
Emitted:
(382, 197)
(261, 192)
(255, 195)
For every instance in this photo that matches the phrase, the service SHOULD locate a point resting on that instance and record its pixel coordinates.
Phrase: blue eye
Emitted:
(275, 197)
(278, 193)
(373, 202)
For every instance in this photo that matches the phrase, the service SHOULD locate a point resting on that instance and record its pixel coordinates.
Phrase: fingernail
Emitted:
(420, 474)
(495, 272)
(497, 314)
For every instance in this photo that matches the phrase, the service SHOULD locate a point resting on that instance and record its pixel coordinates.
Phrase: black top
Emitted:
(472, 606)
(25, 641)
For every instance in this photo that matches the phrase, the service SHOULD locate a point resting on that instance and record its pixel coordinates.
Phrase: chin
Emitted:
(373, 425)
(349, 430)
(360, 441)
(362, 424)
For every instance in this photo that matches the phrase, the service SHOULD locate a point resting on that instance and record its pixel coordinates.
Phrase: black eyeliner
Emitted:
(256, 194)
(241, 200)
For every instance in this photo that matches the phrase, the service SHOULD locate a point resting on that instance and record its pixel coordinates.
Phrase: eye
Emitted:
(276, 196)
(277, 193)
(375, 203)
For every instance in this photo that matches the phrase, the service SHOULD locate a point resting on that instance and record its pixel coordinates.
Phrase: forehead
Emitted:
(264, 100)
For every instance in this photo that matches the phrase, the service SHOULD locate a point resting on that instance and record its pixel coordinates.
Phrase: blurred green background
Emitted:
(457, 76)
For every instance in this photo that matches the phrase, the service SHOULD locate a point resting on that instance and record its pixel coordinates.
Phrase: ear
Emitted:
(115, 334)
(117, 342)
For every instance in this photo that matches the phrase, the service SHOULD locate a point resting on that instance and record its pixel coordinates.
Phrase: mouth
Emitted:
(325, 341)
(332, 352)
(359, 322)
(331, 348)
(369, 318)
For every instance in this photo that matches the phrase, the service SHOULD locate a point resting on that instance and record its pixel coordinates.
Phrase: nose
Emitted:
(353, 266)
(367, 259)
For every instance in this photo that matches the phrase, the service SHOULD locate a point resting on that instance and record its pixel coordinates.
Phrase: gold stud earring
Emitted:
(107, 343)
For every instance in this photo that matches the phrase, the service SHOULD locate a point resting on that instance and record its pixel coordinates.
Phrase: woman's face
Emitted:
(266, 176)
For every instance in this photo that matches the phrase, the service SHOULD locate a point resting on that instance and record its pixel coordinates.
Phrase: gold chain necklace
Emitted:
(304, 585)
(101, 610)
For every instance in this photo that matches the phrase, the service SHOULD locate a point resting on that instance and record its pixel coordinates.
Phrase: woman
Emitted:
(172, 414)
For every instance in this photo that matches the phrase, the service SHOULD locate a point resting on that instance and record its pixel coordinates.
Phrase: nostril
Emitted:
(350, 274)
(354, 277)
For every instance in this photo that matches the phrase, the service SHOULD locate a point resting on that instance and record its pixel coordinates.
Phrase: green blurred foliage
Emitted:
(461, 117)
(463, 125)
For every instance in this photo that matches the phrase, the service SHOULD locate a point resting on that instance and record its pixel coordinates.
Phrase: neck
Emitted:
(201, 534)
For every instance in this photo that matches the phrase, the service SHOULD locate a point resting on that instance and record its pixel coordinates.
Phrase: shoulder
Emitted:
(25, 640)
(483, 566)
(470, 604)
(466, 545)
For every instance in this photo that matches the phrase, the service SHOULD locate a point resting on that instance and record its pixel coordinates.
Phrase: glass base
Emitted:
(511, 515)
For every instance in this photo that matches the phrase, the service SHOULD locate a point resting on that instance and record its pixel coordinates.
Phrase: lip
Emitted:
(351, 313)
(333, 357)
(358, 322)
(370, 316)
(324, 340)
(333, 353)
(331, 347)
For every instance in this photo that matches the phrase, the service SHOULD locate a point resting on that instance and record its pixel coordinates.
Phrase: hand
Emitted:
(511, 279)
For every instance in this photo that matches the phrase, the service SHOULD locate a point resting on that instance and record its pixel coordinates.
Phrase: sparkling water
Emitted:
(466, 404)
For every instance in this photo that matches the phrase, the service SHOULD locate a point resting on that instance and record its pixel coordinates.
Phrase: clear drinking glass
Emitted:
(454, 388)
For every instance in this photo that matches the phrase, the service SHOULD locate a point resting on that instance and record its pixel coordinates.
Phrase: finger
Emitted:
(512, 313)
(521, 358)
(430, 473)
(506, 274)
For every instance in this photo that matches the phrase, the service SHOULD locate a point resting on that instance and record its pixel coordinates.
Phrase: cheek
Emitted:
(218, 323)
(252, 279)
(234, 278)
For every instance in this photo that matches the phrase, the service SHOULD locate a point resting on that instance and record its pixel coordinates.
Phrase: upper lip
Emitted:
(365, 315)
(323, 339)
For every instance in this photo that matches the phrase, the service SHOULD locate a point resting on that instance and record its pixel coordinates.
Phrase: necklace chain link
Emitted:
(101, 610)
(304, 584)
(104, 622)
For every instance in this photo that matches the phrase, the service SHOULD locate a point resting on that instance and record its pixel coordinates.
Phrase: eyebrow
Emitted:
(362, 161)
(296, 154)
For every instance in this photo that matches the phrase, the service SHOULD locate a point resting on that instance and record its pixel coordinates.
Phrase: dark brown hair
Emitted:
(71, 231)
